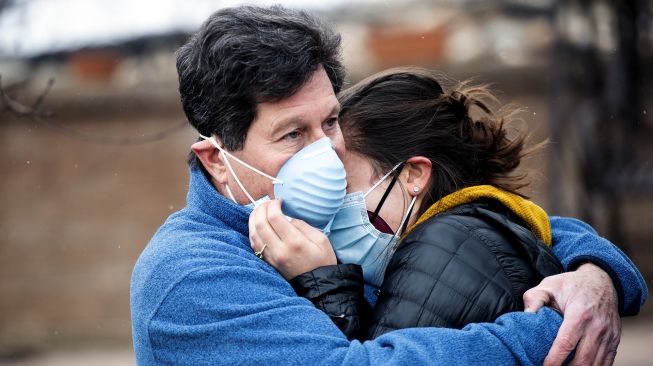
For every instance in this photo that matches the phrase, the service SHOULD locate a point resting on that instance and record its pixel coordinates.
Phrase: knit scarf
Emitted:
(533, 215)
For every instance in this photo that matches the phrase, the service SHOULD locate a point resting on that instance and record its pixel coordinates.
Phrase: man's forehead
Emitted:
(307, 107)
(318, 86)
(314, 100)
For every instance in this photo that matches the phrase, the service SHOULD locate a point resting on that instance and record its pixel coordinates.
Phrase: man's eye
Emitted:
(293, 135)
(331, 122)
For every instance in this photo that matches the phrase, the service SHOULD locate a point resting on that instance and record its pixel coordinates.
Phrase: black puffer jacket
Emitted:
(467, 265)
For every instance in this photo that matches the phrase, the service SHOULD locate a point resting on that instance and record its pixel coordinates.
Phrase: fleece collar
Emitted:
(202, 196)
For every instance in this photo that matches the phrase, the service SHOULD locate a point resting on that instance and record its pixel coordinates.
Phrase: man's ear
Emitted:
(419, 174)
(211, 160)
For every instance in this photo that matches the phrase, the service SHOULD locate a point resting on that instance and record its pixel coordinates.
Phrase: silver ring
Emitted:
(260, 252)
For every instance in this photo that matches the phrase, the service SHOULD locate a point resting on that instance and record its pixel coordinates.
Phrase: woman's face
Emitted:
(361, 177)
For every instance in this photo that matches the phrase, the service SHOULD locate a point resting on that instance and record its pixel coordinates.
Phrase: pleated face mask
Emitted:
(355, 239)
(312, 183)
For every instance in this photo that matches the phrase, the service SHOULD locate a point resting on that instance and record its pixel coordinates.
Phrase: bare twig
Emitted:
(41, 97)
(21, 110)
(44, 118)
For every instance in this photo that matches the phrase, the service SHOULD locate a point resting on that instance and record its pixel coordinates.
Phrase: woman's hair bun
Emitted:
(484, 132)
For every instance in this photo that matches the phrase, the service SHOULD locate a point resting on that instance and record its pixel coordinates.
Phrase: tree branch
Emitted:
(20, 110)
(35, 113)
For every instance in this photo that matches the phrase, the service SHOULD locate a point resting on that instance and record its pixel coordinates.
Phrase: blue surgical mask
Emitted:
(312, 183)
(355, 240)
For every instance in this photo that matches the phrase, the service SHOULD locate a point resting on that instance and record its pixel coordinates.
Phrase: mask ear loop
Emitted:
(230, 194)
(385, 194)
(404, 221)
(381, 180)
(382, 201)
(231, 169)
(402, 227)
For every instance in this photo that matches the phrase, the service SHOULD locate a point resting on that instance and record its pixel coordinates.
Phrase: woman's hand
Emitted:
(588, 301)
(291, 246)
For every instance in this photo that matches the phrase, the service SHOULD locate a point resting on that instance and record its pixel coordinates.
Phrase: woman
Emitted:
(470, 244)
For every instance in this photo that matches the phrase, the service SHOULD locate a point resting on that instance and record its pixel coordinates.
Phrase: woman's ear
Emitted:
(211, 160)
(419, 174)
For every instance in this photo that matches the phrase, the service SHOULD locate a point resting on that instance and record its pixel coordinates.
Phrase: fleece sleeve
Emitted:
(575, 242)
(242, 314)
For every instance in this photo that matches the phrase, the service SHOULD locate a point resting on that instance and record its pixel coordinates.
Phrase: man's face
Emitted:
(283, 128)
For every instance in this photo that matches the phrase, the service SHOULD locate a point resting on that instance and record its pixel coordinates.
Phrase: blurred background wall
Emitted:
(93, 163)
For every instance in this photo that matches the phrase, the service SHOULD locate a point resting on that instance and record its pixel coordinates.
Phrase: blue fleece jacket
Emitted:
(199, 296)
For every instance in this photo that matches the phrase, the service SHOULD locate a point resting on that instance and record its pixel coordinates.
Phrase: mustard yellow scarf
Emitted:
(533, 215)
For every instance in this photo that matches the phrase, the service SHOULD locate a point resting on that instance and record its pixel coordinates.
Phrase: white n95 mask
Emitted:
(311, 183)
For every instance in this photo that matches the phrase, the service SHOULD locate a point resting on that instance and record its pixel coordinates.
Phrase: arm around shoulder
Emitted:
(243, 314)
(575, 243)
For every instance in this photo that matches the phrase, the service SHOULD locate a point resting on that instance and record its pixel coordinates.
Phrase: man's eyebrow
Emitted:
(335, 110)
(282, 125)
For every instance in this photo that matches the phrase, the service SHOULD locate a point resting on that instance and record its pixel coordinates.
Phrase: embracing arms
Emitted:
(243, 312)
(591, 323)
(567, 248)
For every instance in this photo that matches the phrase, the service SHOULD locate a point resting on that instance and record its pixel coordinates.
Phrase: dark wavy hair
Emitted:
(404, 112)
(246, 55)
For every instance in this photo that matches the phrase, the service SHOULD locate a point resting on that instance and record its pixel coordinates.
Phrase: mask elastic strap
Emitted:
(385, 194)
(383, 198)
(381, 180)
(240, 184)
(215, 143)
(231, 169)
(230, 194)
(404, 221)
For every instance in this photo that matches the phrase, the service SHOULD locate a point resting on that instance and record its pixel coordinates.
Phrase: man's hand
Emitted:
(291, 246)
(588, 301)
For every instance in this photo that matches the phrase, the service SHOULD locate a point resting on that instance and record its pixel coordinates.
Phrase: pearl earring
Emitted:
(416, 189)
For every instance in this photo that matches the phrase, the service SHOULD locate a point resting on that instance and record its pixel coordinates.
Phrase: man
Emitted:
(262, 83)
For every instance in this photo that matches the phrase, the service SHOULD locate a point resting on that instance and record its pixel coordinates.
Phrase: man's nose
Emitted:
(315, 135)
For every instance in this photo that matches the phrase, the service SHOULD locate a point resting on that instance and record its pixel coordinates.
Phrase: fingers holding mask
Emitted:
(316, 237)
(291, 246)
(283, 228)
(302, 246)
(262, 236)
(272, 233)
